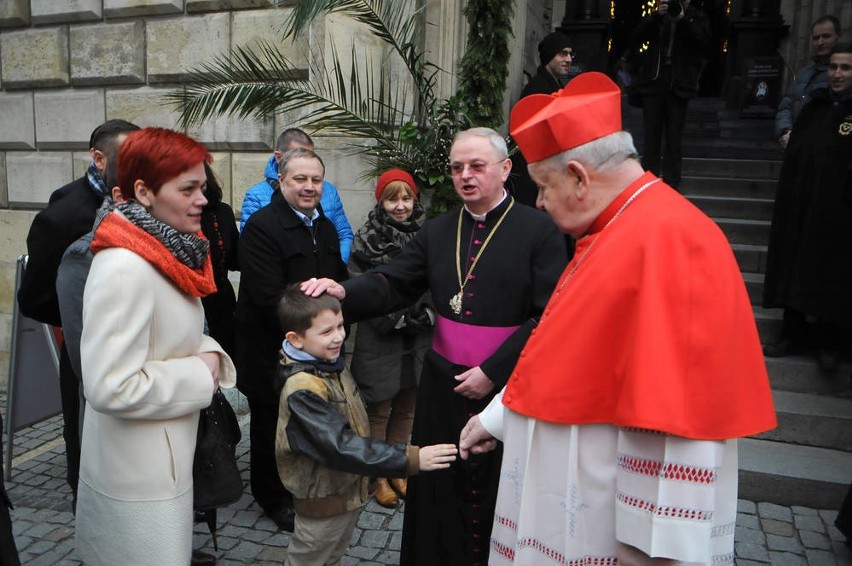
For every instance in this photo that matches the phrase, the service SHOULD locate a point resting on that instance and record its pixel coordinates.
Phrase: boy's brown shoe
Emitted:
(385, 496)
(399, 485)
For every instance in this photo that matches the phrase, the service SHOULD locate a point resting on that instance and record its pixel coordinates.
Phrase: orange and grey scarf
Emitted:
(182, 258)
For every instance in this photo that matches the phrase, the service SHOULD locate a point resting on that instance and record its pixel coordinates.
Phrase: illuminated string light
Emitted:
(727, 14)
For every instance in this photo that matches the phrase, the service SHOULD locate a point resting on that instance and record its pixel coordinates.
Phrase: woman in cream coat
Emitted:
(147, 367)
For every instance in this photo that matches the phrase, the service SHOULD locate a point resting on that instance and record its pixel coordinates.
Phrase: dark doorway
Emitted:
(626, 14)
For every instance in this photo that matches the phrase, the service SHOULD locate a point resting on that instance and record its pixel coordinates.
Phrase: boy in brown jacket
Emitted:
(322, 447)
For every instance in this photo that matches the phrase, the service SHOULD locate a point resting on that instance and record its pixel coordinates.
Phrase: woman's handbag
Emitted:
(215, 475)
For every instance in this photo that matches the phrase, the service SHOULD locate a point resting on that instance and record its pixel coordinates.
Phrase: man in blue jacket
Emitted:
(825, 32)
(260, 194)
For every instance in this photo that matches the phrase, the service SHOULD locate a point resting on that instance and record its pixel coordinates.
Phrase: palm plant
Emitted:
(395, 123)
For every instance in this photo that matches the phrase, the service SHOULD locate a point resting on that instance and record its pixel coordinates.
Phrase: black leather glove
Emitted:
(419, 321)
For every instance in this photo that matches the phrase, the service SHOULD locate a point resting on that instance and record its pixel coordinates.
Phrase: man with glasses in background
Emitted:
(491, 267)
(556, 55)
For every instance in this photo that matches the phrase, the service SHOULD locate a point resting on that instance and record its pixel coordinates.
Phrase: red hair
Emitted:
(156, 155)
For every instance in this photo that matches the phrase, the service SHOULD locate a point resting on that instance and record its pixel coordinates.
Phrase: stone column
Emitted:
(760, 8)
(756, 33)
(444, 39)
(586, 9)
(515, 78)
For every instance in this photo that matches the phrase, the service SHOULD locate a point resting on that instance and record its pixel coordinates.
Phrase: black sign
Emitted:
(763, 87)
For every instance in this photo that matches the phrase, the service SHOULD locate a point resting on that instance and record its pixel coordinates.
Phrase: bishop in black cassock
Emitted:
(517, 255)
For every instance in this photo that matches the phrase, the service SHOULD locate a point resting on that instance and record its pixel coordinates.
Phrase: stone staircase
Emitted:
(730, 170)
(807, 460)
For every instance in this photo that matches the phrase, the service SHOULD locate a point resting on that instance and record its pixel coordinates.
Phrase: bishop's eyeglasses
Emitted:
(456, 168)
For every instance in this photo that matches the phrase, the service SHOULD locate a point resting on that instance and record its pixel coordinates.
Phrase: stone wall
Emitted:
(66, 66)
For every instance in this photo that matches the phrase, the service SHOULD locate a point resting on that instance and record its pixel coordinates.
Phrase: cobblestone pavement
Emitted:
(44, 526)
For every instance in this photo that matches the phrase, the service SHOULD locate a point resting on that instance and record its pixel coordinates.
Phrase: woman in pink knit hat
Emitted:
(389, 350)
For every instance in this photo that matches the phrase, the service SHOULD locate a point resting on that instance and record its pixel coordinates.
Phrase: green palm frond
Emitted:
(391, 112)
(391, 21)
(258, 83)
(394, 22)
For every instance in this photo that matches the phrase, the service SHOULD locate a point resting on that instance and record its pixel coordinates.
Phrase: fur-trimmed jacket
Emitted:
(321, 443)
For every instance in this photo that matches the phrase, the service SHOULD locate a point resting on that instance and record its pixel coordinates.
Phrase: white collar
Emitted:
(481, 217)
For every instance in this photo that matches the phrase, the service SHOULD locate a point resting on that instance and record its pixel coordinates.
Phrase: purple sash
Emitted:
(467, 344)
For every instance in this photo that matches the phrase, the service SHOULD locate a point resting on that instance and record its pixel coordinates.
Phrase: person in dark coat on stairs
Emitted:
(666, 77)
(809, 270)
(556, 55)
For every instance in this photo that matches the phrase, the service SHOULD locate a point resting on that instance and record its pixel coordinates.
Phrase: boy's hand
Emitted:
(437, 456)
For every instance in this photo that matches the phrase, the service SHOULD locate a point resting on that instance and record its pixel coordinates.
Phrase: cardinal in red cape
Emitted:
(620, 419)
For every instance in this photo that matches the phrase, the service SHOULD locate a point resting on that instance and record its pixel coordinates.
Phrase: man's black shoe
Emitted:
(284, 518)
(200, 558)
(828, 361)
(782, 348)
